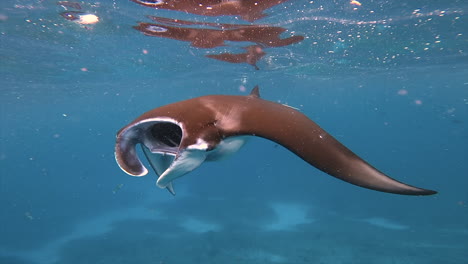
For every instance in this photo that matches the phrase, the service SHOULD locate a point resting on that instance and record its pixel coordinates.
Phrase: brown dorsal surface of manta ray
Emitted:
(251, 56)
(268, 36)
(248, 10)
(177, 138)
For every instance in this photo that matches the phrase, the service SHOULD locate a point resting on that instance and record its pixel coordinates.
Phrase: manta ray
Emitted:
(177, 138)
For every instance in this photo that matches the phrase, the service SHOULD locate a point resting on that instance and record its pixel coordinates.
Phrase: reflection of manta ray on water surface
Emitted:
(211, 35)
(247, 9)
(251, 56)
(179, 137)
(265, 35)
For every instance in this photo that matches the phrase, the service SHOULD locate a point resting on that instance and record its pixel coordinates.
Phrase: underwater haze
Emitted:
(388, 79)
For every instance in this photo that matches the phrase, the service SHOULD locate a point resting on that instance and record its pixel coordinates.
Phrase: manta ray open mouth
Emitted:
(157, 137)
(163, 137)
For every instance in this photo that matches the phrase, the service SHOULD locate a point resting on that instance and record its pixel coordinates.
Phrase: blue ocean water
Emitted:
(387, 78)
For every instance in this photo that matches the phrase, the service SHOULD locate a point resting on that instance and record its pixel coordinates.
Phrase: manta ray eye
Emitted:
(166, 133)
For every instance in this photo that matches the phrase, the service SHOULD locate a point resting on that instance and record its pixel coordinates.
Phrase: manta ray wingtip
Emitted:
(391, 185)
(425, 192)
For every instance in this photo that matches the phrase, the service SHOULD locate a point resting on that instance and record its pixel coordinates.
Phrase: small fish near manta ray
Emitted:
(177, 138)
